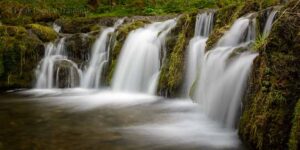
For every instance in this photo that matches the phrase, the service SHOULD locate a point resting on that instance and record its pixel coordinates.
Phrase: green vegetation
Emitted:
(19, 54)
(171, 76)
(294, 142)
(270, 104)
(260, 42)
(46, 34)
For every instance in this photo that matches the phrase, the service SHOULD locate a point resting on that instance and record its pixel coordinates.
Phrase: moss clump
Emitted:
(19, 54)
(294, 142)
(46, 34)
(273, 89)
(171, 76)
(118, 41)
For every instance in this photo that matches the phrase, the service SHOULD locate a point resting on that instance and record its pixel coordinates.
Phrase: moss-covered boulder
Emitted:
(117, 43)
(78, 46)
(46, 34)
(171, 77)
(20, 53)
(273, 90)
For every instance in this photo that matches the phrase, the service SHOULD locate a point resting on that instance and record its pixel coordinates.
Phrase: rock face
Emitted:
(270, 110)
(20, 52)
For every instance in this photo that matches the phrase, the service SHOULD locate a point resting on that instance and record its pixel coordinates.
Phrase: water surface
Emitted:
(87, 119)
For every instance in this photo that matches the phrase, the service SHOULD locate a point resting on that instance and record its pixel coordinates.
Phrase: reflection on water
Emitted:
(86, 119)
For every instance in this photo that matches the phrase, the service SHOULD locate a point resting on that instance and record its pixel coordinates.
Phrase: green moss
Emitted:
(171, 76)
(215, 36)
(45, 33)
(273, 88)
(95, 28)
(19, 55)
(294, 141)
(12, 30)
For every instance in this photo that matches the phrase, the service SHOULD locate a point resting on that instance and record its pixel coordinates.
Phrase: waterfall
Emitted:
(100, 56)
(55, 70)
(139, 63)
(196, 48)
(224, 72)
(269, 23)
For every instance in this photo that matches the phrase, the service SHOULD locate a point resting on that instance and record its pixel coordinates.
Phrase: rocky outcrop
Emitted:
(270, 106)
(20, 52)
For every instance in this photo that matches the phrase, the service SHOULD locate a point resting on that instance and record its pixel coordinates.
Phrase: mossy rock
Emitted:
(46, 34)
(273, 91)
(78, 47)
(19, 55)
(171, 76)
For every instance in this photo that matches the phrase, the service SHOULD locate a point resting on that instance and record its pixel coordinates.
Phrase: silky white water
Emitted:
(196, 49)
(51, 66)
(139, 63)
(269, 23)
(224, 72)
(100, 57)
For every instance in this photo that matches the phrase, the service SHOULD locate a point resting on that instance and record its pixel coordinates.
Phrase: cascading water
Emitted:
(196, 48)
(140, 61)
(56, 70)
(269, 23)
(100, 56)
(224, 71)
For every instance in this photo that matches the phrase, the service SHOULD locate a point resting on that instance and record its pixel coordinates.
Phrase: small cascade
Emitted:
(269, 23)
(56, 70)
(140, 60)
(196, 48)
(100, 56)
(224, 72)
(56, 27)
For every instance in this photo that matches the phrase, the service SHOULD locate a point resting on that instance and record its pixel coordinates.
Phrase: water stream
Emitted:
(99, 58)
(130, 116)
(139, 63)
(224, 72)
(196, 49)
